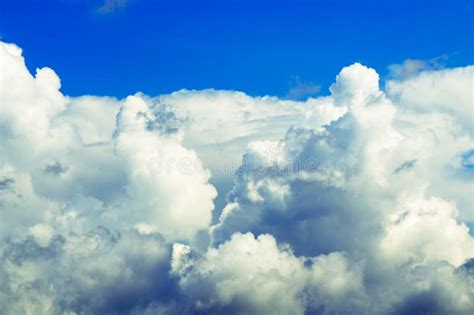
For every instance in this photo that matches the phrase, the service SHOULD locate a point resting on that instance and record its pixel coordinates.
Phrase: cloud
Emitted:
(446, 91)
(226, 279)
(110, 6)
(97, 272)
(300, 90)
(213, 201)
(412, 67)
(333, 184)
(167, 186)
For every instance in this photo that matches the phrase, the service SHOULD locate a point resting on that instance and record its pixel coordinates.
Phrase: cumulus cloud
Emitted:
(93, 273)
(446, 91)
(248, 275)
(167, 187)
(217, 202)
(335, 183)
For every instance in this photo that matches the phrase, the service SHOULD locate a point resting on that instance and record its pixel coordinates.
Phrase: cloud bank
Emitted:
(216, 202)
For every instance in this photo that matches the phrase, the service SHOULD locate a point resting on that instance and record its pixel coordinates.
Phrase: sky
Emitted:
(259, 47)
(236, 157)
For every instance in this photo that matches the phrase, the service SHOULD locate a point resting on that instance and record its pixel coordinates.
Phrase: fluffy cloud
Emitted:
(338, 185)
(166, 183)
(94, 273)
(218, 202)
(226, 279)
(426, 230)
(447, 91)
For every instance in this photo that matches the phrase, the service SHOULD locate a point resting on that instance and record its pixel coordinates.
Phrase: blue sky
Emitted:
(259, 47)
(214, 200)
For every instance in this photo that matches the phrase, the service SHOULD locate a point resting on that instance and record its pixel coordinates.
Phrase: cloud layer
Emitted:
(212, 202)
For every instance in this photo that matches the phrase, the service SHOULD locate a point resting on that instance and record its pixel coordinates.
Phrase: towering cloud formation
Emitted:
(218, 202)
(167, 187)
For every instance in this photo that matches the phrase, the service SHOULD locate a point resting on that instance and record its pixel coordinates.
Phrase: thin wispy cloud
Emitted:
(299, 89)
(110, 6)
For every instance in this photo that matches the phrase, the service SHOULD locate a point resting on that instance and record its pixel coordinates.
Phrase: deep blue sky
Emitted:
(253, 46)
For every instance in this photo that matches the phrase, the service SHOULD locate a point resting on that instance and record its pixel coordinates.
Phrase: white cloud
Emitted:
(352, 202)
(448, 91)
(97, 272)
(351, 173)
(426, 230)
(227, 278)
(167, 185)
